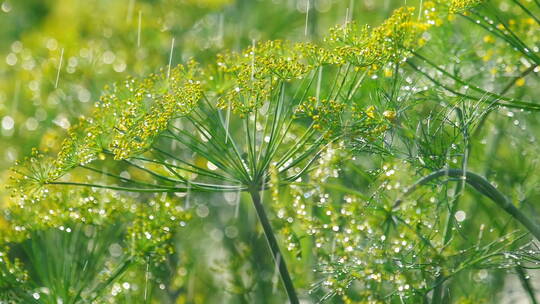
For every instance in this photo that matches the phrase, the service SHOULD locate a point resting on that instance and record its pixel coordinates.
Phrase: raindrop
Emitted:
(11, 59)
(460, 216)
(6, 7)
(202, 211)
(231, 232)
(115, 250)
(7, 123)
(108, 57)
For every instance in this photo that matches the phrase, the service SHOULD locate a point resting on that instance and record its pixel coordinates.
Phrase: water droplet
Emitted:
(460, 216)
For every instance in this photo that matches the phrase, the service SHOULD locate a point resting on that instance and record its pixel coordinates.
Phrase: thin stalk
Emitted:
(507, 35)
(526, 10)
(272, 243)
(196, 169)
(118, 272)
(198, 186)
(214, 116)
(127, 189)
(312, 20)
(227, 159)
(123, 179)
(159, 176)
(436, 298)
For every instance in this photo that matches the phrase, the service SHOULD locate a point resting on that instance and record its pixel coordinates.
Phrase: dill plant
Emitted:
(299, 119)
(365, 239)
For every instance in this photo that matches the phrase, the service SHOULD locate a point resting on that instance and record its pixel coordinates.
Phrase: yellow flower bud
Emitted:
(370, 112)
(389, 114)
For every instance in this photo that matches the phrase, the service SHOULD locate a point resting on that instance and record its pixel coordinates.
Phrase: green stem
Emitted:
(118, 272)
(195, 186)
(483, 186)
(272, 243)
(525, 282)
(436, 298)
(127, 189)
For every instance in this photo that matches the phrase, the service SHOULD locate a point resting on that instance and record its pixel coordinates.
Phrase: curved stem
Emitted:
(272, 243)
(483, 186)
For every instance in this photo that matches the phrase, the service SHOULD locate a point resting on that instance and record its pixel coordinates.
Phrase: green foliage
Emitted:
(382, 164)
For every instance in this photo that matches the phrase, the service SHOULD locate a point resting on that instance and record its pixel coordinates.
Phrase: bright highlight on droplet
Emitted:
(108, 57)
(460, 216)
(211, 166)
(6, 7)
(8, 123)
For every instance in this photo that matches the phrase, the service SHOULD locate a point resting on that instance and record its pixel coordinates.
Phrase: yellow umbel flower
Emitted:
(457, 6)
(389, 42)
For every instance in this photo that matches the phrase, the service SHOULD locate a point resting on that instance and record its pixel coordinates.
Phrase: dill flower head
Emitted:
(149, 226)
(325, 114)
(374, 47)
(140, 110)
(29, 175)
(457, 6)
(125, 122)
(318, 55)
(65, 208)
(130, 115)
(251, 75)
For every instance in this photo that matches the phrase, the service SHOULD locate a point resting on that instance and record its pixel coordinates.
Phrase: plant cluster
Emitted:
(369, 148)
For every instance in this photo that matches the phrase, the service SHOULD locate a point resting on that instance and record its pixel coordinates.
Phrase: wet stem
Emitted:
(274, 248)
